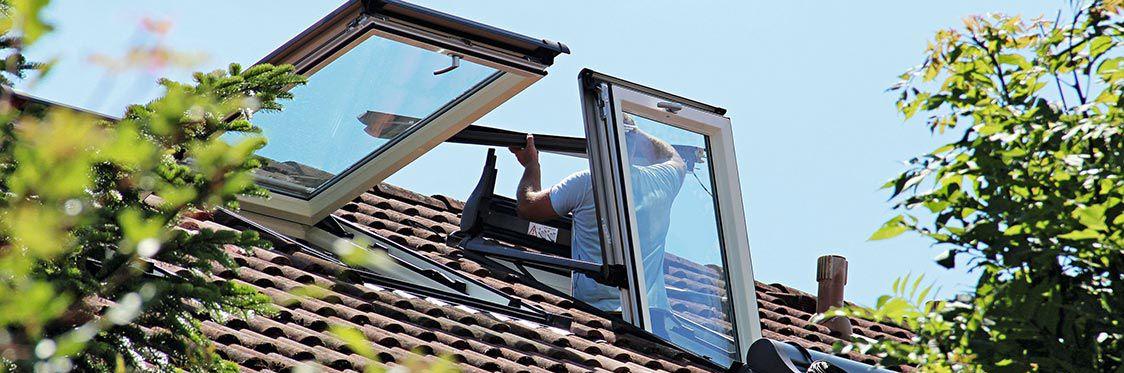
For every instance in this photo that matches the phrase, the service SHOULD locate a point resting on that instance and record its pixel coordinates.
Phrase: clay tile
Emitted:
(489, 366)
(309, 320)
(451, 203)
(451, 340)
(408, 195)
(243, 356)
(272, 257)
(436, 312)
(316, 265)
(486, 349)
(265, 326)
(347, 300)
(298, 275)
(525, 360)
(398, 239)
(236, 324)
(219, 333)
(360, 292)
(254, 277)
(260, 265)
(294, 350)
(349, 217)
(332, 358)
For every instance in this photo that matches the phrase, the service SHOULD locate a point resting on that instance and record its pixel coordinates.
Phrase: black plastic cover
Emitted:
(542, 50)
(767, 355)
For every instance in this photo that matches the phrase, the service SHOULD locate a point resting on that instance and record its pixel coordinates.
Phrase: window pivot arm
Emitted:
(333, 226)
(456, 63)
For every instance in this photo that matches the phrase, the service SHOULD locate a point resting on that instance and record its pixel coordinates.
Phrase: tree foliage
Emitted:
(94, 273)
(15, 65)
(1029, 196)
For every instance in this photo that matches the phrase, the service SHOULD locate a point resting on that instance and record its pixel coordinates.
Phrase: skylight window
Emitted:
(388, 81)
(353, 107)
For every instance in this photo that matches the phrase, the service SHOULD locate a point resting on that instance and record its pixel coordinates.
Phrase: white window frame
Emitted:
(605, 99)
(340, 32)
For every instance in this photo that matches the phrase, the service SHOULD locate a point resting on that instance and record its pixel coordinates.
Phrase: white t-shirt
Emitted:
(574, 195)
(654, 189)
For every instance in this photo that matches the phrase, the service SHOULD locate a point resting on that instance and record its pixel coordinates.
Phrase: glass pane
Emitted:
(353, 106)
(672, 193)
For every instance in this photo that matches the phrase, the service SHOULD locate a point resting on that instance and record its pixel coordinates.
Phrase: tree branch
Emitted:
(998, 69)
(1054, 72)
(1076, 81)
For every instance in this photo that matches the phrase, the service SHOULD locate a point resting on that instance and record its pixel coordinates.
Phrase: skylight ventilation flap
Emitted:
(387, 81)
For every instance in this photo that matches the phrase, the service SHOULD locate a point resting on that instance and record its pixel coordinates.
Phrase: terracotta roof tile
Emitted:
(402, 327)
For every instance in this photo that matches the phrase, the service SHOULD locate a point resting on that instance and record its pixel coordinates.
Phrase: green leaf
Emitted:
(910, 108)
(25, 18)
(354, 339)
(1099, 45)
(891, 229)
(916, 284)
(924, 293)
(1014, 230)
(1087, 234)
(1014, 59)
(895, 308)
(1092, 216)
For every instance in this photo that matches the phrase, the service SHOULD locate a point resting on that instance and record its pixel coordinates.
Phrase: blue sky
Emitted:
(816, 134)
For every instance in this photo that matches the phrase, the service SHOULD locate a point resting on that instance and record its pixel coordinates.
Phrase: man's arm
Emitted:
(663, 152)
(533, 202)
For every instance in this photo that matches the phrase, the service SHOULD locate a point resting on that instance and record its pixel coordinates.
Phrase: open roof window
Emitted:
(669, 201)
(387, 82)
(669, 217)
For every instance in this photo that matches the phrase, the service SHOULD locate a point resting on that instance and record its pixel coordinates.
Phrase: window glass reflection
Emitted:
(352, 107)
(677, 226)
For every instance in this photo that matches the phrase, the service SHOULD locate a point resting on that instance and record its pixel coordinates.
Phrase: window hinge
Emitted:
(603, 100)
(357, 21)
(614, 275)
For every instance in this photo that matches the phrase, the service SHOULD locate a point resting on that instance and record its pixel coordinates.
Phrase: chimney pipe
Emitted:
(831, 273)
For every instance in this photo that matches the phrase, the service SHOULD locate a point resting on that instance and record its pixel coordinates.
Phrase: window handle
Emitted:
(456, 64)
(671, 107)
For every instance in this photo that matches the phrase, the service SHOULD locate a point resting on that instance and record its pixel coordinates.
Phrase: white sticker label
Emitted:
(543, 232)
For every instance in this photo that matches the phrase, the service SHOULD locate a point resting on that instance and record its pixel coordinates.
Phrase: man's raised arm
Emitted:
(533, 202)
(663, 152)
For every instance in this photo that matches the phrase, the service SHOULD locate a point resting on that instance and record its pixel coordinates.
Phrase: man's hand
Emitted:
(528, 154)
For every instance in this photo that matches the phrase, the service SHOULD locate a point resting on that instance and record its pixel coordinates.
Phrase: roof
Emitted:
(398, 322)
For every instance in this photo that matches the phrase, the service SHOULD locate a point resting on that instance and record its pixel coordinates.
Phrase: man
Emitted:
(656, 172)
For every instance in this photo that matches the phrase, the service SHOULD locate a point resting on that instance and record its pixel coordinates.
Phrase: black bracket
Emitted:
(332, 225)
(613, 275)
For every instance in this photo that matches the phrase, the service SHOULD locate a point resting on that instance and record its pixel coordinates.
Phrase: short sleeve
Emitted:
(569, 193)
(662, 176)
